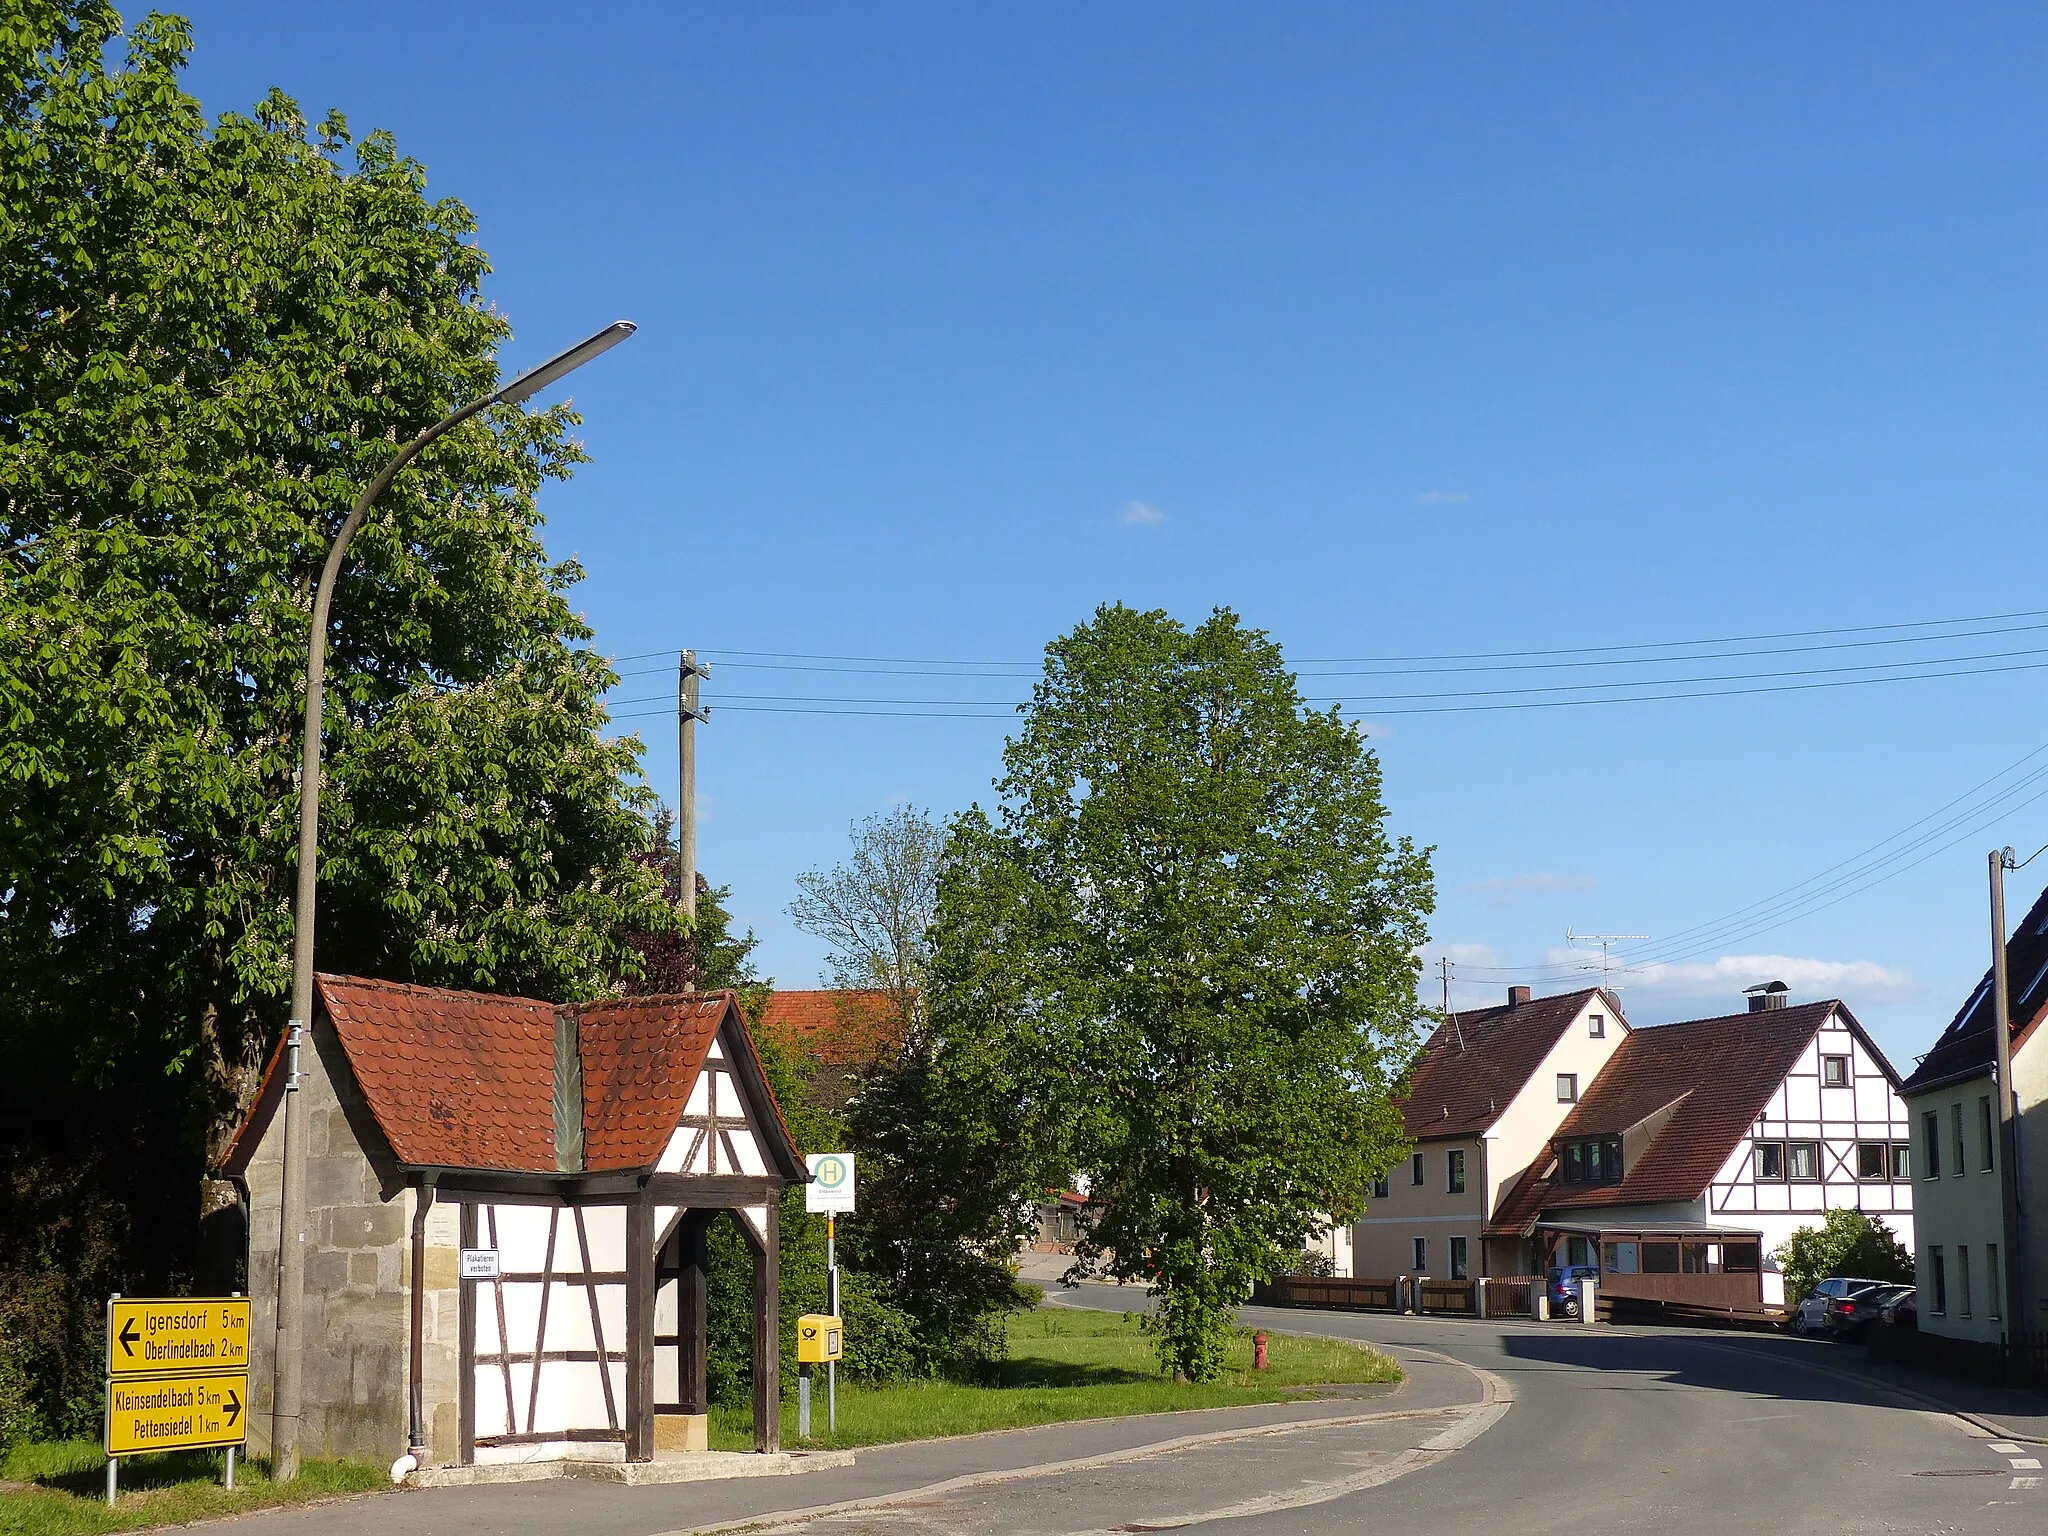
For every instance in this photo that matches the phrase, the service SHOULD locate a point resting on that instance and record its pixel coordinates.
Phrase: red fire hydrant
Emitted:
(1259, 1350)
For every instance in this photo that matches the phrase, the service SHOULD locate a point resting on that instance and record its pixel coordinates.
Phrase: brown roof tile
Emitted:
(641, 1056)
(839, 1026)
(1472, 1068)
(1721, 1071)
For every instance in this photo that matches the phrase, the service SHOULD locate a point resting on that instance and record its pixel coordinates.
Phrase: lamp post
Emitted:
(291, 1236)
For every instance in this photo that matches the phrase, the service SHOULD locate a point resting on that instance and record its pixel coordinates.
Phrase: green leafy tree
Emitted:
(1845, 1243)
(1185, 947)
(212, 334)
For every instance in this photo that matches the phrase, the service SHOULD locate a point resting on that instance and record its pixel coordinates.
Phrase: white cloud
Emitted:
(1505, 889)
(1141, 514)
(1715, 986)
(1443, 498)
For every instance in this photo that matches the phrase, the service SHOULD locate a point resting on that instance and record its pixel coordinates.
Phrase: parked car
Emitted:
(1811, 1315)
(1902, 1311)
(1563, 1287)
(1851, 1317)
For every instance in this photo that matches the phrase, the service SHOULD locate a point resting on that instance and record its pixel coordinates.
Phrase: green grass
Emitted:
(70, 1483)
(1065, 1363)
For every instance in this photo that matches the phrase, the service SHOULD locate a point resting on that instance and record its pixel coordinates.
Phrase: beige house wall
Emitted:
(1532, 1117)
(356, 1313)
(1383, 1239)
(2030, 1084)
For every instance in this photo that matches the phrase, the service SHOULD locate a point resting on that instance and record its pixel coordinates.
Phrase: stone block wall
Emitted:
(357, 1298)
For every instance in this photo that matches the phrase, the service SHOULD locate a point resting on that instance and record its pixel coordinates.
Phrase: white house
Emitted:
(1704, 1145)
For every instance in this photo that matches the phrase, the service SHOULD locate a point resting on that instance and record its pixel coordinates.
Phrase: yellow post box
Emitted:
(819, 1339)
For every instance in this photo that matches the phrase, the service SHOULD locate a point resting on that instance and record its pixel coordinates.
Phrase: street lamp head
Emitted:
(534, 380)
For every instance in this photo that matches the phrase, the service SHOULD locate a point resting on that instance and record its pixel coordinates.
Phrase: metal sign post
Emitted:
(830, 1192)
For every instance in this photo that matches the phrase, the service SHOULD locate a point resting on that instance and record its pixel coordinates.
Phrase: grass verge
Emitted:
(1066, 1363)
(67, 1481)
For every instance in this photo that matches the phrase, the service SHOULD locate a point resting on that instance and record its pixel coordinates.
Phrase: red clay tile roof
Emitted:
(467, 1079)
(1722, 1069)
(641, 1055)
(839, 1026)
(1468, 1074)
(454, 1079)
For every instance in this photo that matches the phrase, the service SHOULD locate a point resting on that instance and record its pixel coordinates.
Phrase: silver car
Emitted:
(1811, 1315)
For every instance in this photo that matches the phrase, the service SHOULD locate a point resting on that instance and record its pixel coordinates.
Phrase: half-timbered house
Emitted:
(1702, 1146)
(507, 1208)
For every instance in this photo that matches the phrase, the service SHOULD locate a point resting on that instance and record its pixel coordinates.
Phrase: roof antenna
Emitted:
(1606, 941)
(1444, 965)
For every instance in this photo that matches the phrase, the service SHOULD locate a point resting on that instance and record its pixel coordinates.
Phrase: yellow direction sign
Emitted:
(173, 1338)
(177, 1414)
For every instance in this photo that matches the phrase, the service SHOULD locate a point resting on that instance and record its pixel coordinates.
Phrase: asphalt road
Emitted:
(1501, 1427)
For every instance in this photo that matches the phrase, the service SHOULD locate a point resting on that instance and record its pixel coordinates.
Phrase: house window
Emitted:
(1741, 1258)
(1902, 1160)
(1567, 1087)
(1770, 1160)
(1802, 1160)
(1930, 1127)
(1962, 1280)
(1596, 1025)
(1985, 1135)
(1415, 1169)
(1623, 1258)
(1940, 1269)
(1457, 1258)
(1379, 1187)
(1579, 1251)
(1873, 1160)
(1593, 1161)
(1454, 1176)
(1834, 1071)
(1991, 1278)
(1955, 1122)
(1421, 1255)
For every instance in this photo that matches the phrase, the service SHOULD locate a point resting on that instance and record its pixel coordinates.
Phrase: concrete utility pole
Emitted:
(688, 713)
(2015, 1314)
(285, 1389)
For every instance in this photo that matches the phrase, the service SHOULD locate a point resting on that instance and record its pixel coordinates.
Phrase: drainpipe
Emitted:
(423, 1201)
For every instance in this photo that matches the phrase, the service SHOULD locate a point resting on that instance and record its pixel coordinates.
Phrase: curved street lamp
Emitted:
(291, 1237)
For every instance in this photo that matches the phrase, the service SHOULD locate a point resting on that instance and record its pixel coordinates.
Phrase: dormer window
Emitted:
(1590, 1160)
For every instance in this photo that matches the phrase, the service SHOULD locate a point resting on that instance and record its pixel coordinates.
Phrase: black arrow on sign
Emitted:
(128, 1336)
(234, 1405)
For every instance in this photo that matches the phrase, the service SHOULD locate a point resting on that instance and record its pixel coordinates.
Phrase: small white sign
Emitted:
(831, 1186)
(479, 1263)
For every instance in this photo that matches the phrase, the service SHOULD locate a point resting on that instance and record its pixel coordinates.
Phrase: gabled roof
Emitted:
(1966, 1048)
(468, 1079)
(1475, 1063)
(839, 1026)
(1719, 1074)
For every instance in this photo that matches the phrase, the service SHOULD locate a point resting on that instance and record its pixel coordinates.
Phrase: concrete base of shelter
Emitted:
(667, 1467)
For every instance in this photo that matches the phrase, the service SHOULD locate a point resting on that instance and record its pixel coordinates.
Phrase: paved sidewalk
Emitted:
(1384, 1422)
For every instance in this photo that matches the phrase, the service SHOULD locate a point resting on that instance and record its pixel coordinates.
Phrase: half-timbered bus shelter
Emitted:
(507, 1208)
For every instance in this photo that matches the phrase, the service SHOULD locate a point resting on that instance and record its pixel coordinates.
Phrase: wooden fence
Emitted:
(1458, 1298)
(1362, 1295)
(1508, 1295)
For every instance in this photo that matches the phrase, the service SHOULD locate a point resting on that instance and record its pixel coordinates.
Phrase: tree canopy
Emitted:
(212, 334)
(1181, 956)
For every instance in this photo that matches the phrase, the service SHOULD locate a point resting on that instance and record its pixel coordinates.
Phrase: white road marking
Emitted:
(2026, 1482)
(2026, 1463)
(2005, 1448)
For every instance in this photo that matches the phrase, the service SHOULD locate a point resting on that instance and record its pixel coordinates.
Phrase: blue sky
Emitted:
(1419, 331)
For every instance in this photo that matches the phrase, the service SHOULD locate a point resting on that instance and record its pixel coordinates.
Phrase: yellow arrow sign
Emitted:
(168, 1338)
(177, 1414)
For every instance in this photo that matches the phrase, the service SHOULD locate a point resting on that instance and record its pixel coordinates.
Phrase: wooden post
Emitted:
(465, 1290)
(639, 1424)
(693, 1385)
(768, 1337)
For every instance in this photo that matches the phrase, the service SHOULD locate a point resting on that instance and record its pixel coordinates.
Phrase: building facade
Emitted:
(1490, 1088)
(1706, 1144)
(1965, 1242)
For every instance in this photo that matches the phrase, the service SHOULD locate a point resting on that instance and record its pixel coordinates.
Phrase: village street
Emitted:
(1590, 1431)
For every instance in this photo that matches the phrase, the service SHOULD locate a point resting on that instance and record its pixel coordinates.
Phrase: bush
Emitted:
(1847, 1243)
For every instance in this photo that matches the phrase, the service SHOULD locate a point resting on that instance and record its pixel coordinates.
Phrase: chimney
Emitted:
(1766, 995)
(1517, 996)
